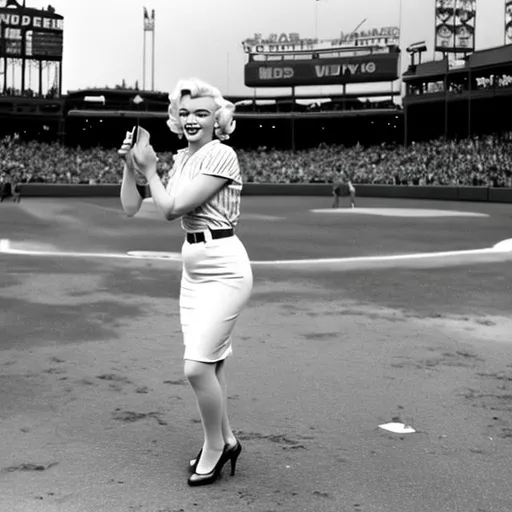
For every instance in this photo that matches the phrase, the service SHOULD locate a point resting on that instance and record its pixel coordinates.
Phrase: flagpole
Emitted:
(153, 51)
(316, 19)
(400, 81)
(400, 24)
(144, 53)
(2, 34)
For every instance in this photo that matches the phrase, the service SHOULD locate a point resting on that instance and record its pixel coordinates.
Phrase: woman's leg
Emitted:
(227, 433)
(210, 401)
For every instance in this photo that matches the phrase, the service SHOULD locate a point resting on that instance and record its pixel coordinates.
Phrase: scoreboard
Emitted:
(47, 45)
(31, 33)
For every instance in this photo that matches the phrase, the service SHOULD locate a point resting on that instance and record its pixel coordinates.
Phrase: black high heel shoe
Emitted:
(197, 479)
(234, 450)
(193, 462)
(233, 454)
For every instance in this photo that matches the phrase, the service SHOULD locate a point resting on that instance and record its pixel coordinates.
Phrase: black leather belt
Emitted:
(195, 238)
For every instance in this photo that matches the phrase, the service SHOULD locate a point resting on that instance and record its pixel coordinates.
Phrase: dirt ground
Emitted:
(95, 415)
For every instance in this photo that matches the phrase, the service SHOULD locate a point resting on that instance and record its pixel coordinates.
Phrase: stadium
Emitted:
(371, 368)
(457, 98)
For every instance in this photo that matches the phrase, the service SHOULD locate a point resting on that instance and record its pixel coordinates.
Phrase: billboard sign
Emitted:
(455, 26)
(322, 71)
(293, 42)
(508, 21)
(30, 33)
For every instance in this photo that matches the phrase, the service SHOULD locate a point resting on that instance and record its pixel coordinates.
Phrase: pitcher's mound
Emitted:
(399, 212)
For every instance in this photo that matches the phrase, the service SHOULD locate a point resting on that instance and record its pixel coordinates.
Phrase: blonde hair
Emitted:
(224, 115)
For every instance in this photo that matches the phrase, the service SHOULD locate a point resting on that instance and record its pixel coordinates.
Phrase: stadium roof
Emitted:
(492, 57)
(130, 114)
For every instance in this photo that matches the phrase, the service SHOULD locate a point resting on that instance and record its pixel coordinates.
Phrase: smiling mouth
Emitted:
(192, 130)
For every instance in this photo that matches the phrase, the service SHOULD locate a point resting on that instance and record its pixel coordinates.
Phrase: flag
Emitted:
(508, 21)
(149, 23)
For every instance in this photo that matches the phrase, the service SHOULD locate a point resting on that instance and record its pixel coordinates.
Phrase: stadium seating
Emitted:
(475, 162)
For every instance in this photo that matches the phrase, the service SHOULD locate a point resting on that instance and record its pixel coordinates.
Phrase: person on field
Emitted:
(337, 191)
(351, 193)
(343, 187)
(16, 190)
(203, 190)
(5, 188)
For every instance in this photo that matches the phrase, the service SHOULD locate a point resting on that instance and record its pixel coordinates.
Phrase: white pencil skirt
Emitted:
(216, 284)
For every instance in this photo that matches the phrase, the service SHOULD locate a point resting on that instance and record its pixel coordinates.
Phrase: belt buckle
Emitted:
(201, 236)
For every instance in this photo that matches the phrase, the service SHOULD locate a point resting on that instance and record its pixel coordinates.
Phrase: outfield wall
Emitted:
(496, 195)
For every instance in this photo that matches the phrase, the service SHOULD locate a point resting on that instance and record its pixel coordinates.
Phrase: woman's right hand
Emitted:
(125, 152)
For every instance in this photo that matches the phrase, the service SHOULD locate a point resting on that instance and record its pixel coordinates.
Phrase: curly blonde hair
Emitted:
(224, 115)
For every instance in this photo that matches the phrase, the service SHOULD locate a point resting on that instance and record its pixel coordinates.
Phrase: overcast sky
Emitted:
(103, 39)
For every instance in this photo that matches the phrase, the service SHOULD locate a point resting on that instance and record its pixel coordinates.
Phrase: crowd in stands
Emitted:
(52, 93)
(477, 162)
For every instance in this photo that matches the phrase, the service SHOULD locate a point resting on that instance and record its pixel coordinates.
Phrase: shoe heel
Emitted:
(234, 458)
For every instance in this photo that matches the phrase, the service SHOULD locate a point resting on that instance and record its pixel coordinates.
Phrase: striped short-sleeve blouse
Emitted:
(221, 211)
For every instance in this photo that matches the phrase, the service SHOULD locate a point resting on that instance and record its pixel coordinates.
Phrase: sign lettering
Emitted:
(275, 73)
(31, 33)
(13, 33)
(293, 42)
(322, 71)
(346, 69)
(494, 81)
(28, 21)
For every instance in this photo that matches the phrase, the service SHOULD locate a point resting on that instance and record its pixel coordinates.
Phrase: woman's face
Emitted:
(197, 118)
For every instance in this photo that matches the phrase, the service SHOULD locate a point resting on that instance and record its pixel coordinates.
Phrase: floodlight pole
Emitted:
(316, 20)
(144, 59)
(23, 60)
(2, 35)
(293, 118)
(153, 54)
(400, 80)
(470, 93)
(406, 125)
(446, 106)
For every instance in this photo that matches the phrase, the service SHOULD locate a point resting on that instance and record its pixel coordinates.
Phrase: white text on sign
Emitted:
(344, 69)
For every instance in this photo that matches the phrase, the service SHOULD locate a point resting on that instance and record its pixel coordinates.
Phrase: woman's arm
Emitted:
(200, 189)
(131, 200)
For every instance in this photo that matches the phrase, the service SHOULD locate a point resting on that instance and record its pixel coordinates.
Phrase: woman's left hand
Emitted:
(145, 158)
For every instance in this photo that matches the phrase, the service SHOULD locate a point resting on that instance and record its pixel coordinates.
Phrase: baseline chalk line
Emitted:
(503, 247)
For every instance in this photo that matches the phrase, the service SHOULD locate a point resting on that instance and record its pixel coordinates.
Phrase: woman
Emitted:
(204, 191)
